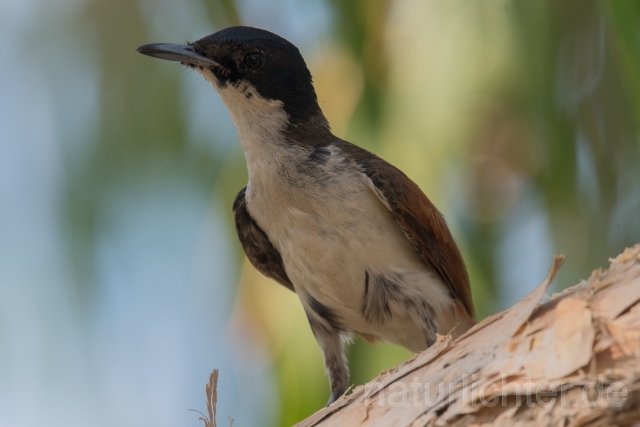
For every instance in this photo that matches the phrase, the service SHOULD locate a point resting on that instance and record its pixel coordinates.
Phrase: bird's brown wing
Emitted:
(419, 219)
(423, 225)
(255, 243)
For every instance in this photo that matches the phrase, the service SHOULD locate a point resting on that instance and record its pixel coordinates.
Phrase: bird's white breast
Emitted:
(331, 228)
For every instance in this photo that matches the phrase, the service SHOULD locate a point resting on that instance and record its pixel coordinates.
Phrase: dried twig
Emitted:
(212, 402)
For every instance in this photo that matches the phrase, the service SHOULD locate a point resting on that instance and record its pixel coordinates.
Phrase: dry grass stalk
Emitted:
(212, 402)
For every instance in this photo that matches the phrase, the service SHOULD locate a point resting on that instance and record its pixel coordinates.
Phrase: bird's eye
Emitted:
(254, 60)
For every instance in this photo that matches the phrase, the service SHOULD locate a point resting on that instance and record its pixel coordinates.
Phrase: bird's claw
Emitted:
(334, 396)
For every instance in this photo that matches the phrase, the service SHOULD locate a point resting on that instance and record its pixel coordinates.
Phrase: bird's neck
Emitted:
(273, 151)
(269, 138)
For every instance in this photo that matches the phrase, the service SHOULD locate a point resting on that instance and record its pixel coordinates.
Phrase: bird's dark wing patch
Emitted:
(320, 155)
(420, 221)
(326, 313)
(379, 291)
(315, 165)
(255, 243)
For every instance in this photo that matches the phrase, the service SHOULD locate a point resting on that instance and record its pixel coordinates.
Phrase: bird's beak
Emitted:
(177, 52)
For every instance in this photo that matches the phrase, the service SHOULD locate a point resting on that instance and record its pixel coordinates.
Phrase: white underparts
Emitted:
(328, 222)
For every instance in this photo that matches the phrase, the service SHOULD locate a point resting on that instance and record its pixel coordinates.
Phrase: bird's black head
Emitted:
(250, 59)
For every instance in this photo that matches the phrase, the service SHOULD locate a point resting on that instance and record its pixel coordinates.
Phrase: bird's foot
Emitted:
(334, 396)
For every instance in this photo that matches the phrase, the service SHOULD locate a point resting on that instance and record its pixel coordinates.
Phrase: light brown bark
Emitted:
(570, 361)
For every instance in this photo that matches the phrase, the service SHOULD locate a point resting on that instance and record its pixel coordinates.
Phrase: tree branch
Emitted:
(573, 360)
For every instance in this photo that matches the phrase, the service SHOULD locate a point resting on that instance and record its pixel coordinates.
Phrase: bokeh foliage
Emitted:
(500, 110)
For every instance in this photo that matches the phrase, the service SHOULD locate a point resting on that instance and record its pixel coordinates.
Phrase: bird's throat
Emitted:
(257, 119)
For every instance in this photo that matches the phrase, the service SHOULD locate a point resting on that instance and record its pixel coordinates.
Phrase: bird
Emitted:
(364, 249)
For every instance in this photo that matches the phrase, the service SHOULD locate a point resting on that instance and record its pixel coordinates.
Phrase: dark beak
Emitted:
(177, 52)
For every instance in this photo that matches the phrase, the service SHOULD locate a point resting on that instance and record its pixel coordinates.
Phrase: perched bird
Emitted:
(364, 249)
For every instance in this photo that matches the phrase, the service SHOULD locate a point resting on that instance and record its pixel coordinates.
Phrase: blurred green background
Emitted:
(122, 284)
